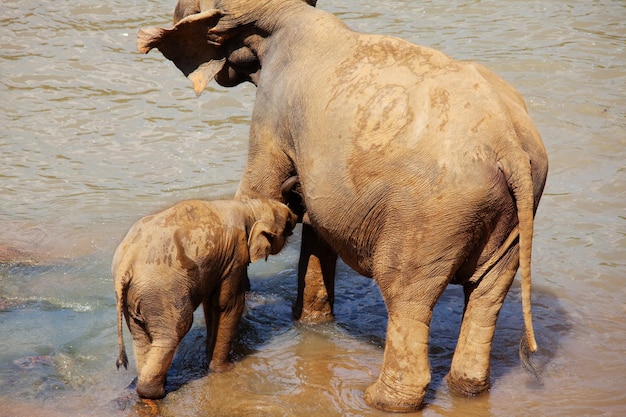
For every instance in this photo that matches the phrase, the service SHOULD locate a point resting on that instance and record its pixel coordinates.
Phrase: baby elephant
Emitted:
(194, 252)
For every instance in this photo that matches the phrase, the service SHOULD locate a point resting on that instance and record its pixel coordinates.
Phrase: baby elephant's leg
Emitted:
(223, 313)
(151, 381)
(160, 333)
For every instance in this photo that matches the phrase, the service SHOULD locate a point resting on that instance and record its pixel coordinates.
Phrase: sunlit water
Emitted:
(94, 135)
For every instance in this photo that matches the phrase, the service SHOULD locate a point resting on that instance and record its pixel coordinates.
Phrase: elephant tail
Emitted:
(121, 292)
(517, 172)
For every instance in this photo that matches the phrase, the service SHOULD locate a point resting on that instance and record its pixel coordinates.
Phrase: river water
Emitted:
(94, 135)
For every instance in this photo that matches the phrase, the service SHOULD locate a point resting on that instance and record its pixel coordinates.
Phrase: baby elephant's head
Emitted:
(268, 235)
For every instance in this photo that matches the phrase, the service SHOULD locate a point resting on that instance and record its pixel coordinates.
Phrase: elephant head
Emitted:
(268, 234)
(209, 40)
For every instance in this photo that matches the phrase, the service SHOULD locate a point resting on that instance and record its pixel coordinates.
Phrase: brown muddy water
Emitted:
(94, 135)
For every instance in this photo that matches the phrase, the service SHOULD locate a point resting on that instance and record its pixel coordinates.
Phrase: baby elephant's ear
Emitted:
(259, 244)
(188, 45)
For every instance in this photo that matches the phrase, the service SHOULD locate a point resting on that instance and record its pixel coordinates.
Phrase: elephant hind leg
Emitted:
(151, 380)
(470, 370)
(155, 343)
(141, 340)
(405, 373)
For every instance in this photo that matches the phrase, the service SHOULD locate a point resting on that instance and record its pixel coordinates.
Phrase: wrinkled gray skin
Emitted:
(418, 170)
(196, 252)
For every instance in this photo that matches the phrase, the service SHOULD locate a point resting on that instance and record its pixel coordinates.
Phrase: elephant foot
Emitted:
(150, 391)
(384, 397)
(219, 367)
(315, 309)
(466, 386)
(315, 316)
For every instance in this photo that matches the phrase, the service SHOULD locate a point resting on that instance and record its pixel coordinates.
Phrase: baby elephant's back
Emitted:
(180, 234)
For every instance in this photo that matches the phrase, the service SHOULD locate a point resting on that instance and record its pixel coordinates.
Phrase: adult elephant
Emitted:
(418, 170)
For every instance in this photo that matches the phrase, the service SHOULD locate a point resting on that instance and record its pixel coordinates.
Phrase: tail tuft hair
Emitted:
(525, 356)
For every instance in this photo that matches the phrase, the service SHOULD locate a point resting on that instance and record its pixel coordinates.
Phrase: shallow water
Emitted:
(95, 135)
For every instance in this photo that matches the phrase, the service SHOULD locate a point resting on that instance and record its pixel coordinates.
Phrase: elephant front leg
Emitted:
(316, 278)
(222, 323)
(267, 174)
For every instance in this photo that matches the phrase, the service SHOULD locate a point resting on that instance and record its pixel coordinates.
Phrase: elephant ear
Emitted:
(189, 45)
(259, 243)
